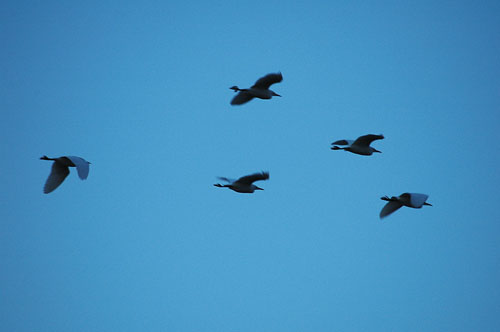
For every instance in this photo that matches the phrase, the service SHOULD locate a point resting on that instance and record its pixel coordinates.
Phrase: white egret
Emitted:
(245, 183)
(360, 146)
(60, 170)
(259, 90)
(412, 200)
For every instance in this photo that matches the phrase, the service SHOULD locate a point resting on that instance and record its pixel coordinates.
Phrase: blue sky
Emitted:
(146, 243)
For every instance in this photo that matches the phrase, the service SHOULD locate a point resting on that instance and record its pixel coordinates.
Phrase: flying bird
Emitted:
(407, 199)
(245, 183)
(360, 146)
(259, 90)
(60, 170)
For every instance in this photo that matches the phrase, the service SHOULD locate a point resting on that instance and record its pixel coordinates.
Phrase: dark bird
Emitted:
(360, 146)
(245, 183)
(412, 200)
(259, 90)
(60, 170)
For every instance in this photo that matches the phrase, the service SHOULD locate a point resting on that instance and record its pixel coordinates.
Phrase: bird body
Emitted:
(244, 184)
(60, 170)
(359, 146)
(254, 93)
(412, 200)
(259, 90)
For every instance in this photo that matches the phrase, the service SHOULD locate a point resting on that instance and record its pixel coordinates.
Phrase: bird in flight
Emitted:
(259, 90)
(412, 200)
(60, 170)
(360, 146)
(245, 183)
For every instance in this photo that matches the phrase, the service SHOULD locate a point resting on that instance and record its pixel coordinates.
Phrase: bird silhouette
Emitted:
(412, 200)
(360, 146)
(245, 183)
(259, 90)
(60, 170)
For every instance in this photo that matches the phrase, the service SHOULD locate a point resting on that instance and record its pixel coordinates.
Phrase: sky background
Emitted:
(147, 243)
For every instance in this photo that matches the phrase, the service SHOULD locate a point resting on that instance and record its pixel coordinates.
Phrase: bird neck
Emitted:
(392, 199)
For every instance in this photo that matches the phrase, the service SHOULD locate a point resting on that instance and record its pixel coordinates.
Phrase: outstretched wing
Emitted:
(417, 200)
(390, 208)
(249, 179)
(57, 175)
(241, 98)
(82, 166)
(268, 80)
(367, 139)
(343, 142)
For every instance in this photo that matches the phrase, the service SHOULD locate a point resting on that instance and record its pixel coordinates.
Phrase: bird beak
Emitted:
(277, 95)
(377, 151)
(257, 188)
(425, 203)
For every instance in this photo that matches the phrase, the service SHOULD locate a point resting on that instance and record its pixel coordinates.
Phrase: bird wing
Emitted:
(241, 98)
(343, 142)
(57, 175)
(249, 179)
(367, 139)
(82, 166)
(390, 208)
(268, 80)
(417, 200)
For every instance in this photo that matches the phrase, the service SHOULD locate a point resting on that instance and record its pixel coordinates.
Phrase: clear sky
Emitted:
(147, 243)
